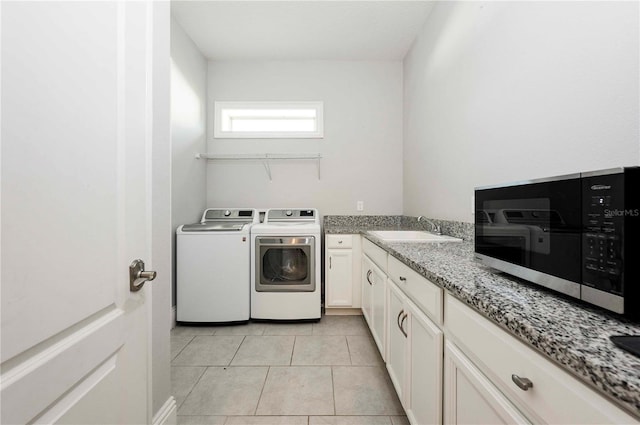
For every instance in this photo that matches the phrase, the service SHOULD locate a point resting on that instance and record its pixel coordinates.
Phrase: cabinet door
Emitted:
(339, 278)
(367, 289)
(397, 339)
(378, 307)
(424, 378)
(469, 397)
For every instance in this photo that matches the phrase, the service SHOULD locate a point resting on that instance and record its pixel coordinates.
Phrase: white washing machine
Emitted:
(214, 267)
(285, 271)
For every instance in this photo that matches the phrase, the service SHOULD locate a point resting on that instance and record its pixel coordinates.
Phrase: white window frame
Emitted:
(219, 133)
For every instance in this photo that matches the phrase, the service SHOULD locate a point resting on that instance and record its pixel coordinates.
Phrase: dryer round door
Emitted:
(285, 264)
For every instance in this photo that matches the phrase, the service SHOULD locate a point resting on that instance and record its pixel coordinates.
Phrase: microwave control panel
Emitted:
(603, 223)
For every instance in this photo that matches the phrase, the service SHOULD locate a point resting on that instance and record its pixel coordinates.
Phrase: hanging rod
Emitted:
(265, 158)
(240, 156)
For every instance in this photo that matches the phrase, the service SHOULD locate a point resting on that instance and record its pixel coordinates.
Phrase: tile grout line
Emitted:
(293, 349)
(182, 349)
(237, 349)
(192, 388)
(333, 391)
(348, 350)
(264, 384)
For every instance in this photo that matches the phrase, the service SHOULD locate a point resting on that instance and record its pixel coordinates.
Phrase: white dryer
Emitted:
(285, 272)
(214, 267)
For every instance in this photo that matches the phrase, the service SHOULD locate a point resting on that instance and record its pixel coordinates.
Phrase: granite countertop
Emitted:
(571, 334)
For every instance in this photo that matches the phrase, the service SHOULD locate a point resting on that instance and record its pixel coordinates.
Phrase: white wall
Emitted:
(362, 147)
(188, 130)
(502, 91)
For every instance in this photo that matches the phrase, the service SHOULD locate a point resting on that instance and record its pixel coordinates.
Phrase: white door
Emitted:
(367, 289)
(469, 397)
(378, 308)
(76, 107)
(397, 339)
(339, 276)
(424, 384)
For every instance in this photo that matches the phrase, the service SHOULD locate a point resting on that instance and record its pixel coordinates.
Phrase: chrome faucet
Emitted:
(434, 227)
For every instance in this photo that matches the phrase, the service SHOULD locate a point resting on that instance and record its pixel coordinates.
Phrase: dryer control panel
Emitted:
(295, 215)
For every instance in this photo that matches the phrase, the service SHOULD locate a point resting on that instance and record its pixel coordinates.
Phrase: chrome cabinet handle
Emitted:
(402, 325)
(523, 383)
(369, 275)
(138, 276)
(403, 279)
(339, 242)
(329, 262)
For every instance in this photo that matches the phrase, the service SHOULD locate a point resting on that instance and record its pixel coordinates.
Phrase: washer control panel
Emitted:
(222, 214)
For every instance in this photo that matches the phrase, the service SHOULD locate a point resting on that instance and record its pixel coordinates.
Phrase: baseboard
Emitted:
(342, 311)
(168, 413)
(173, 317)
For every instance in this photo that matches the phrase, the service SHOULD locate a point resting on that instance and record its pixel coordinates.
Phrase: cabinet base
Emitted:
(342, 311)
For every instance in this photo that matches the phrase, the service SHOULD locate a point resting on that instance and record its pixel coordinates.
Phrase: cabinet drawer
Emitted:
(425, 294)
(339, 241)
(377, 254)
(555, 397)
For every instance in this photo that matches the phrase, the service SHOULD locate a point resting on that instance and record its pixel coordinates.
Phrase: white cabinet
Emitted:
(414, 358)
(367, 289)
(424, 384)
(397, 339)
(422, 292)
(476, 376)
(378, 308)
(470, 398)
(338, 278)
(373, 300)
(342, 273)
(552, 396)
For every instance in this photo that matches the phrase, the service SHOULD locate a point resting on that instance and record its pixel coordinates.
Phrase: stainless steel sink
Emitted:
(411, 236)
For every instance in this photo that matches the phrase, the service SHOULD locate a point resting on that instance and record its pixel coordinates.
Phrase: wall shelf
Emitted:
(265, 158)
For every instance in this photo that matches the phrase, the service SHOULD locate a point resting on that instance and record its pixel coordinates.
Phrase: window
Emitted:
(257, 120)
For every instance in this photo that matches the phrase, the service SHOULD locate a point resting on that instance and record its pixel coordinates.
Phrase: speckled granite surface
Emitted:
(573, 335)
(351, 224)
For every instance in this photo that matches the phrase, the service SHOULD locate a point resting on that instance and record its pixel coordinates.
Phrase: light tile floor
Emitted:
(324, 373)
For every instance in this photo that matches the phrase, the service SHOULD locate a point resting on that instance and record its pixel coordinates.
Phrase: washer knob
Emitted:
(289, 213)
(227, 213)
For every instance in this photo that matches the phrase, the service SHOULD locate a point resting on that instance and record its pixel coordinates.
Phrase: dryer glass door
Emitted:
(286, 264)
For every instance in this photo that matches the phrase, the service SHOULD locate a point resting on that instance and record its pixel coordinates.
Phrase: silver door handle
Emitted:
(329, 262)
(138, 276)
(523, 383)
(369, 275)
(403, 279)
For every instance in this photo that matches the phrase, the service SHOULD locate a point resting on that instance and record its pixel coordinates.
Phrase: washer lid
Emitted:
(213, 227)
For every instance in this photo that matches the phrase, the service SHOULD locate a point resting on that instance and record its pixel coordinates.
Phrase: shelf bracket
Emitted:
(267, 168)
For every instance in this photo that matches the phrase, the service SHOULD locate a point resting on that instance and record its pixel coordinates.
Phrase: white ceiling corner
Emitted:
(302, 29)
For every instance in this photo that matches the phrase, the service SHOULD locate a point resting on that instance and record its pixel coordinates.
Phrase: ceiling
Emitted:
(302, 30)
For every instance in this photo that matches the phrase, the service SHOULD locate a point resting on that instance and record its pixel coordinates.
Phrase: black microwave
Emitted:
(577, 234)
